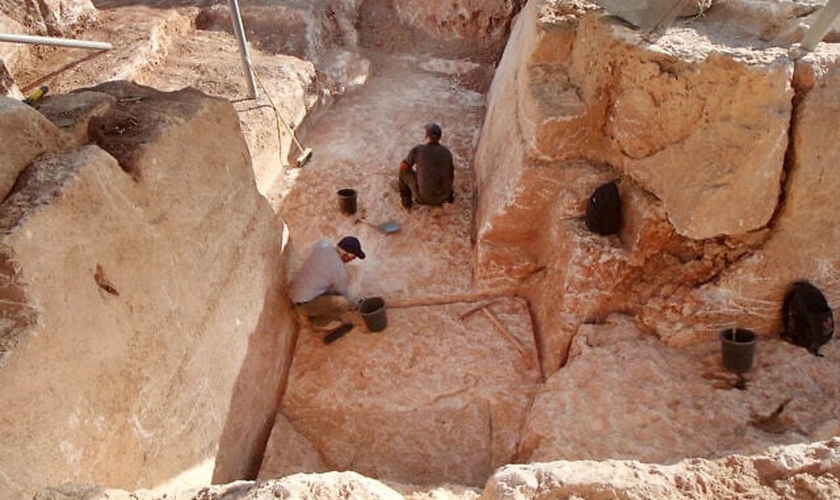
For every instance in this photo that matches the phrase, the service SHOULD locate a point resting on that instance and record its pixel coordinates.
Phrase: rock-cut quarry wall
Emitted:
(711, 128)
(142, 285)
(123, 346)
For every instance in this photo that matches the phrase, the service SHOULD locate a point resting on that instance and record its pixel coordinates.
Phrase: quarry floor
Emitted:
(442, 352)
(439, 341)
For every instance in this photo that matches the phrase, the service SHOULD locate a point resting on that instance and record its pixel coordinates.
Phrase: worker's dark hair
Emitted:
(433, 132)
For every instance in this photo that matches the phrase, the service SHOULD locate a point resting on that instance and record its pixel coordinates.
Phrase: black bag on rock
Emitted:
(807, 319)
(603, 212)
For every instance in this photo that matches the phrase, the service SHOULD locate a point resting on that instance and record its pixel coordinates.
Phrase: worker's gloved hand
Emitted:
(404, 165)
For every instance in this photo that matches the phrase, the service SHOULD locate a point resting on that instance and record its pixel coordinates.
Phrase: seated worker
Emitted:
(319, 290)
(426, 174)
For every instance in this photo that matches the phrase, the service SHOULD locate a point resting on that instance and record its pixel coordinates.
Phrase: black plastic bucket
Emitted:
(347, 201)
(738, 349)
(373, 312)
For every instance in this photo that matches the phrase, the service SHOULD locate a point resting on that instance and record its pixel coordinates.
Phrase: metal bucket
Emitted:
(373, 312)
(347, 201)
(738, 349)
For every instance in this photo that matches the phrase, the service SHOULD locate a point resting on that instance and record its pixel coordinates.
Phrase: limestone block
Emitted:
(654, 15)
(653, 109)
(806, 236)
(10, 54)
(521, 195)
(26, 135)
(149, 292)
(532, 192)
(549, 105)
(556, 23)
(665, 107)
(694, 210)
(796, 471)
(436, 397)
(707, 191)
(780, 24)
(804, 239)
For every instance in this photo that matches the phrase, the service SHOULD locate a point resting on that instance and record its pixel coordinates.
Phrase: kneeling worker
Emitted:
(319, 291)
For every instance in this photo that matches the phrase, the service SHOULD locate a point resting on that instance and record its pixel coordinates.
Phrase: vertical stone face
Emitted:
(154, 275)
(804, 238)
(708, 139)
(652, 112)
(697, 127)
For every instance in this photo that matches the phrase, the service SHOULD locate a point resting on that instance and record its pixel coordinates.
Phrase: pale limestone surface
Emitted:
(660, 269)
(26, 135)
(804, 233)
(648, 402)
(159, 47)
(444, 383)
(132, 306)
(801, 471)
(791, 472)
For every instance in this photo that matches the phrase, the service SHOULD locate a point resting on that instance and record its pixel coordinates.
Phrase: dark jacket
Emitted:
(435, 172)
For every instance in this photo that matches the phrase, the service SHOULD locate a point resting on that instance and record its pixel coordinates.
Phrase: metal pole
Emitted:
(236, 17)
(63, 42)
(826, 18)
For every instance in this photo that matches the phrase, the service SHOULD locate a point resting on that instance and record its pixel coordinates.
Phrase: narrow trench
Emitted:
(441, 395)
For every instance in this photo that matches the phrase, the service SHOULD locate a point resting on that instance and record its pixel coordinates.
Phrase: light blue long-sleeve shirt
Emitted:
(322, 272)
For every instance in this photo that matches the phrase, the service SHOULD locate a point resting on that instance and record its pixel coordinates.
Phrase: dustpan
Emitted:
(386, 227)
